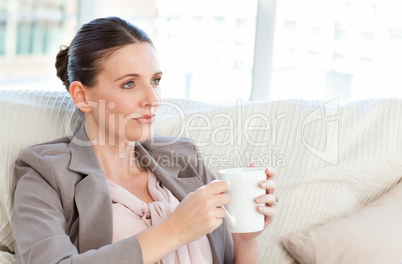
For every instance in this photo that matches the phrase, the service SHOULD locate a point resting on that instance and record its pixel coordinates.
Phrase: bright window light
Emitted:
(339, 48)
(323, 49)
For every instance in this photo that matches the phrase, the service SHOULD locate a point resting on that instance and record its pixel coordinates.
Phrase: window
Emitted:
(31, 33)
(207, 52)
(321, 49)
(355, 43)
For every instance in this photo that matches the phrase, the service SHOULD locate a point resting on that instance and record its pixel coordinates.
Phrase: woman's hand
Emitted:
(246, 250)
(200, 212)
(269, 199)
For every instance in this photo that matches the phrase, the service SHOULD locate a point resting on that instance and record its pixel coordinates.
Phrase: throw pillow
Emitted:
(372, 235)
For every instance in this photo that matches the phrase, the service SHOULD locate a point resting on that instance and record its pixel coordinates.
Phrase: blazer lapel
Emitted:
(168, 171)
(92, 196)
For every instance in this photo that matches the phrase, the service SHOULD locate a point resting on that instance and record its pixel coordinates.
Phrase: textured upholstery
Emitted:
(330, 160)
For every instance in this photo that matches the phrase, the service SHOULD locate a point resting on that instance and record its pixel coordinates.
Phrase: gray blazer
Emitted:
(62, 207)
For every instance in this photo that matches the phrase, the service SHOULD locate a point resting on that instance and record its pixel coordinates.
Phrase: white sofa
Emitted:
(338, 167)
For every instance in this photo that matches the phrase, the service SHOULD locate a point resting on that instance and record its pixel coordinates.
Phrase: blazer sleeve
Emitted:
(40, 226)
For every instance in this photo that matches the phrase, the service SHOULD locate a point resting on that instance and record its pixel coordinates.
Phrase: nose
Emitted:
(151, 98)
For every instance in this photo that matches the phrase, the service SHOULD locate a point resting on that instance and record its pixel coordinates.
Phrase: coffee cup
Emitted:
(242, 215)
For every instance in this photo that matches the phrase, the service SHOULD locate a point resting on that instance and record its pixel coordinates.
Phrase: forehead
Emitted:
(139, 58)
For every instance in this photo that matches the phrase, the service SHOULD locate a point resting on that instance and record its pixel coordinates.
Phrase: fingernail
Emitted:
(258, 200)
(263, 184)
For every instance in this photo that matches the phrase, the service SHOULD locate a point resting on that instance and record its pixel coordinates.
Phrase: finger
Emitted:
(268, 211)
(270, 173)
(220, 213)
(217, 187)
(269, 185)
(252, 164)
(221, 199)
(269, 199)
(217, 223)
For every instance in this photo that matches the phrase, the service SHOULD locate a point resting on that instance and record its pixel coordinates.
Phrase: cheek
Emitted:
(103, 104)
(108, 110)
(109, 114)
(120, 106)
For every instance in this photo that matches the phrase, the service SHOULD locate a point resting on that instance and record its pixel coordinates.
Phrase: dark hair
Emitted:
(93, 43)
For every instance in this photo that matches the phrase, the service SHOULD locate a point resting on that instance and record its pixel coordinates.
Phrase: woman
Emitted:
(102, 196)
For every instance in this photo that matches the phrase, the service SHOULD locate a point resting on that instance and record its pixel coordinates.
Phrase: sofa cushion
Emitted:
(373, 235)
(27, 118)
(330, 159)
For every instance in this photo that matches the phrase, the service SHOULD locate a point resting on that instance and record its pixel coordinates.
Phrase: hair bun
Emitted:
(62, 64)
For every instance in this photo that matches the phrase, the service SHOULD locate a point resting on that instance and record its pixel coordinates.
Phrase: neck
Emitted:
(117, 158)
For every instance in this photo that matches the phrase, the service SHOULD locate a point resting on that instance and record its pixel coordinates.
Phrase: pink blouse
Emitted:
(131, 216)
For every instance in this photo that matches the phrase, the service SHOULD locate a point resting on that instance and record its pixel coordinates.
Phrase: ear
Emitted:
(78, 93)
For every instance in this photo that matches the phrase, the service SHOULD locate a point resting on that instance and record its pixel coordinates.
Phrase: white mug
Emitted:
(242, 215)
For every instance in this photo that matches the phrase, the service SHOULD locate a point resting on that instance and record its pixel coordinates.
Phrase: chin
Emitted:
(141, 135)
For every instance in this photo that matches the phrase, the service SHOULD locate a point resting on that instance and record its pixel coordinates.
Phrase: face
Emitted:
(127, 95)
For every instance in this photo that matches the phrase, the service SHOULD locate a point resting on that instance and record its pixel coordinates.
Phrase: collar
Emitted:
(85, 161)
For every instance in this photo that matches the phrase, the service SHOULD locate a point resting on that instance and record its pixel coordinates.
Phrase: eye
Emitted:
(130, 84)
(156, 81)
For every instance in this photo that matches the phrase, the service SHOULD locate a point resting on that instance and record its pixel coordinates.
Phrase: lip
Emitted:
(145, 119)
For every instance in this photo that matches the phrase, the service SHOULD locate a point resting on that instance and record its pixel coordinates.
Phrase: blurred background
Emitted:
(222, 50)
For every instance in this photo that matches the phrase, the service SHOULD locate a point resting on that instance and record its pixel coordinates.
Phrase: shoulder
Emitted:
(48, 149)
(44, 157)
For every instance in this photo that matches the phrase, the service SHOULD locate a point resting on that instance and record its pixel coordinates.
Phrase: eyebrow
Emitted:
(134, 75)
